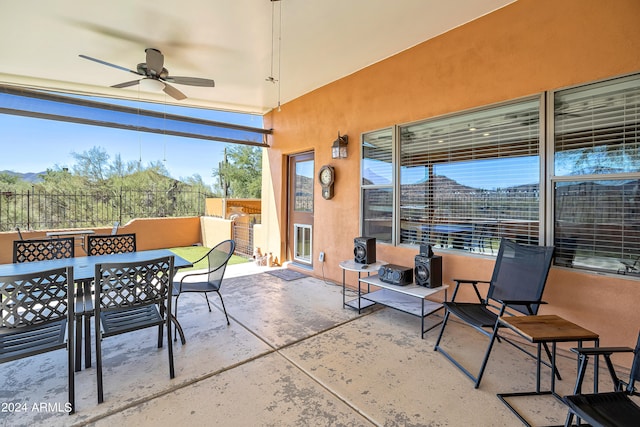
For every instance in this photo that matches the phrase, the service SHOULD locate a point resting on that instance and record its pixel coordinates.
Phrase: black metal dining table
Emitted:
(83, 275)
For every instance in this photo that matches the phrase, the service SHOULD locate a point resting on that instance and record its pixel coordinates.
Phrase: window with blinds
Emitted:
(597, 176)
(468, 180)
(465, 180)
(377, 173)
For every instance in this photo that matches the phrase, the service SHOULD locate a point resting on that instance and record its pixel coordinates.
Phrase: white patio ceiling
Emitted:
(229, 41)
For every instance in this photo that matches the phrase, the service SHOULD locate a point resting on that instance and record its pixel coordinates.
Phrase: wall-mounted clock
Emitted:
(326, 176)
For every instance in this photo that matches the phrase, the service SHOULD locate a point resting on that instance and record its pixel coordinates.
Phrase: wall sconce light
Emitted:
(339, 147)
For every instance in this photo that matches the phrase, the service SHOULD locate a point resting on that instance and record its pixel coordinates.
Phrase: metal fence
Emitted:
(39, 210)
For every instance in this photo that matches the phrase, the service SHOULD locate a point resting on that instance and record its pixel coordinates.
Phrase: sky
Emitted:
(33, 145)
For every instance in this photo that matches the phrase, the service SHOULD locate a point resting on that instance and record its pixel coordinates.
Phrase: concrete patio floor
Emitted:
(292, 356)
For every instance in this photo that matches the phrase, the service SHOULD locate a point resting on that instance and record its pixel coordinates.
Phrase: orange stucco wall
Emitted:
(151, 233)
(522, 49)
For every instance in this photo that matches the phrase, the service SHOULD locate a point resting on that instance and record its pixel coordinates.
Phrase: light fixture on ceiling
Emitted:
(339, 147)
(151, 85)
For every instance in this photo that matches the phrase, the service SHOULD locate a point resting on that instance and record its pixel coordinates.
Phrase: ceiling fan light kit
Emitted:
(155, 77)
(151, 85)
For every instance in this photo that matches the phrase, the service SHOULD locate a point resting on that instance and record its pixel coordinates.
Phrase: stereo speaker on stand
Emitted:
(428, 271)
(364, 250)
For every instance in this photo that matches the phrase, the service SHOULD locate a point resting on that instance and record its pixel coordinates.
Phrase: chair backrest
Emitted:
(635, 368)
(43, 249)
(133, 284)
(36, 298)
(111, 244)
(218, 258)
(114, 230)
(520, 273)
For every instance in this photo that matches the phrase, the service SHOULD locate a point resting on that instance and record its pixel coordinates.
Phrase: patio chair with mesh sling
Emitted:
(608, 409)
(516, 287)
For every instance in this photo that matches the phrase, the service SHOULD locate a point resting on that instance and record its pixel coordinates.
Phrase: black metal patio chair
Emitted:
(111, 244)
(129, 297)
(516, 287)
(608, 409)
(209, 280)
(37, 312)
(43, 249)
(99, 245)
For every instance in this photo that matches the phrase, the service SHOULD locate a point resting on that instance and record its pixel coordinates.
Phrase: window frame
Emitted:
(547, 177)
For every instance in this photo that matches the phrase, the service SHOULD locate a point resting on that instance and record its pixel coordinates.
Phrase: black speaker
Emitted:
(364, 250)
(426, 250)
(428, 271)
(396, 274)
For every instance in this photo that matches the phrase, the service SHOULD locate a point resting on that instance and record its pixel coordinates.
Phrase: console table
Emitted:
(411, 299)
(351, 265)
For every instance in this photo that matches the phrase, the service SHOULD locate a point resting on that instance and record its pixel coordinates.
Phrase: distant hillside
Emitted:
(29, 176)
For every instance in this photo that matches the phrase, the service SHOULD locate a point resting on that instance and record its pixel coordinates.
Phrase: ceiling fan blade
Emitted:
(100, 61)
(155, 60)
(191, 81)
(127, 84)
(174, 93)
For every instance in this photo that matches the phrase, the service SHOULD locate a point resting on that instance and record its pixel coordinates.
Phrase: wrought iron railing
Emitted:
(39, 210)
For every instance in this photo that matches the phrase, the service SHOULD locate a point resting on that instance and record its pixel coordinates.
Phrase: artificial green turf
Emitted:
(193, 253)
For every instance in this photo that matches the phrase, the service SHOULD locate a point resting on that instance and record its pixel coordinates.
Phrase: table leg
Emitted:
(422, 320)
(538, 362)
(344, 286)
(553, 368)
(359, 292)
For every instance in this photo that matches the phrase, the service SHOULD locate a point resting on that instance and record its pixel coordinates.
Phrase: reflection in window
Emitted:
(597, 176)
(377, 207)
(377, 185)
(303, 197)
(469, 179)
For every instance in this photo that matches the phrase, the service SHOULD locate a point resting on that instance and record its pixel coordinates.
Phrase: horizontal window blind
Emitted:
(377, 157)
(469, 179)
(597, 176)
(377, 185)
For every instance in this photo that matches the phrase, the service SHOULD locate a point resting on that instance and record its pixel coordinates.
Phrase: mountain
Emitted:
(29, 176)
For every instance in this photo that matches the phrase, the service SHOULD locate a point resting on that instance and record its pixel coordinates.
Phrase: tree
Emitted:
(92, 164)
(241, 171)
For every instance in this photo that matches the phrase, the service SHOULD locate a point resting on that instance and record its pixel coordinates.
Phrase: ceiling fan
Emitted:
(154, 75)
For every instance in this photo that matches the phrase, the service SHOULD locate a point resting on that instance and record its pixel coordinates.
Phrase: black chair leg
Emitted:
(78, 344)
(223, 307)
(207, 298)
(99, 364)
(71, 373)
(444, 323)
(555, 369)
(160, 335)
(87, 341)
(172, 373)
(494, 335)
(177, 327)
